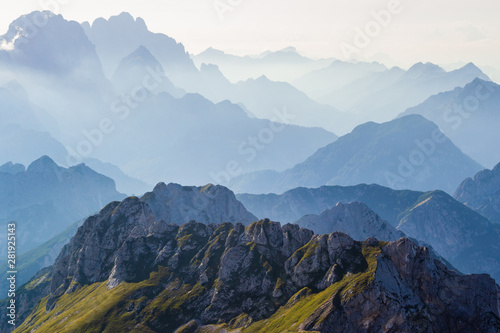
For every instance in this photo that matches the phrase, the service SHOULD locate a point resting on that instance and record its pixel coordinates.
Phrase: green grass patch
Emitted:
(289, 317)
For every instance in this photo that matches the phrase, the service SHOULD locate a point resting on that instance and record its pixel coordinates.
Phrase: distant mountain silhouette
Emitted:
(406, 153)
(469, 116)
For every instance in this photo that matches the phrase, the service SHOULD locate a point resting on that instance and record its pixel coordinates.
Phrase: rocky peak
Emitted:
(43, 165)
(91, 254)
(178, 204)
(141, 57)
(124, 242)
(57, 46)
(471, 68)
(17, 28)
(425, 71)
(122, 21)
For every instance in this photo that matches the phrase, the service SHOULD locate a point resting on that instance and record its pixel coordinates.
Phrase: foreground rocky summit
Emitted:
(127, 271)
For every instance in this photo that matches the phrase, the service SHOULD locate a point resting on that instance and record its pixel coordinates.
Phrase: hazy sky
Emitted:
(448, 32)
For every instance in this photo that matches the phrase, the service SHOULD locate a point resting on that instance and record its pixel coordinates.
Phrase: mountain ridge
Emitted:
(207, 265)
(405, 153)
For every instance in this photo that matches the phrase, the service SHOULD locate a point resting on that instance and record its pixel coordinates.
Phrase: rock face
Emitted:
(354, 219)
(135, 273)
(178, 204)
(410, 293)
(482, 193)
(457, 233)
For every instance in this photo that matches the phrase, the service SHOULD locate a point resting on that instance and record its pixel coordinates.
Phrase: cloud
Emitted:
(6, 45)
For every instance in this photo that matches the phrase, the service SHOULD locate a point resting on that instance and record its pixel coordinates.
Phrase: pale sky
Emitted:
(451, 31)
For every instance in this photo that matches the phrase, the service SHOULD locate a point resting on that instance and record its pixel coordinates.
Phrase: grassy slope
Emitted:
(94, 308)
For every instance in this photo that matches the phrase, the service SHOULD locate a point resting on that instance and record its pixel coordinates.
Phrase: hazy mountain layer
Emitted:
(293, 204)
(263, 98)
(191, 140)
(482, 193)
(406, 153)
(338, 74)
(469, 116)
(284, 65)
(46, 198)
(457, 233)
(354, 219)
(382, 96)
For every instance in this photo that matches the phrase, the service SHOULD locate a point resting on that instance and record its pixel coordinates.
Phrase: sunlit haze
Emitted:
(447, 32)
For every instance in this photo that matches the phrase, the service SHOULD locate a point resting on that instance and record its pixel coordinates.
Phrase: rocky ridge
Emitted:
(207, 204)
(457, 233)
(131, 272)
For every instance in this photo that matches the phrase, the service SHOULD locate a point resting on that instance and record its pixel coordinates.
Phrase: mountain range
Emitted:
(283, 65)
(171, 203)
(189, 127)
(59, 68)
(272, 97)
(457, 233)
(381, 96)
(405, 153)
(120, 35)
(298, 202)
(469, 116)
(357, 233)
(336, 75)
(46, 198)
(264, 277)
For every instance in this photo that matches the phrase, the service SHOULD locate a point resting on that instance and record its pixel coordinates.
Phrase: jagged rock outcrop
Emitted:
(482, 193)
(461, 236)
(355, 219)
(410, 293)
(178, 204)
(136, 273)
